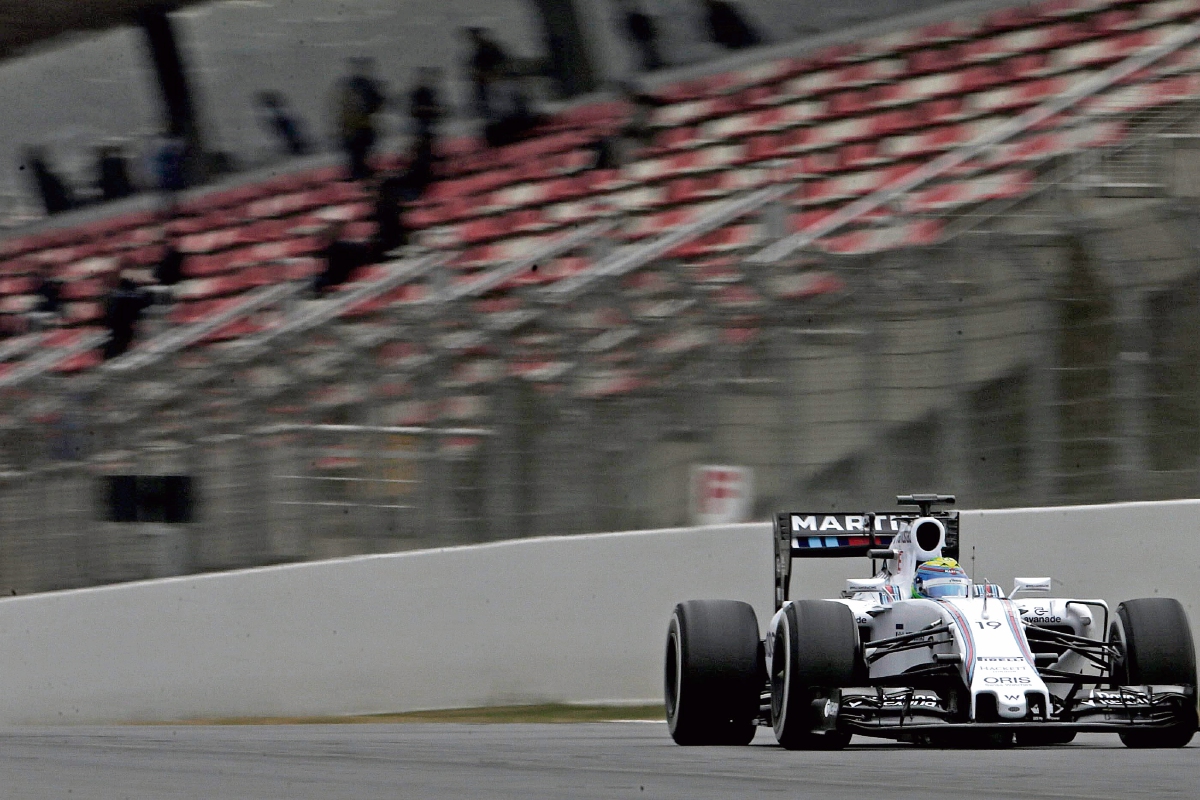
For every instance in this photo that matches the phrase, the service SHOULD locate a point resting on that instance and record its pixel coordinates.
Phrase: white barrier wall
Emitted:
(578, 618)
(566, 619)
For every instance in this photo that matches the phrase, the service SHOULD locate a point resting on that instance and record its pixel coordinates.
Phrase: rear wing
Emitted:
(838, 535)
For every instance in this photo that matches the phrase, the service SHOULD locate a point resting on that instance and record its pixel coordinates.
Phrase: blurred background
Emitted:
(293, 280)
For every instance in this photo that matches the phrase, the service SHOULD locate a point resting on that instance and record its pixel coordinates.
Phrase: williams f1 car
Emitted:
(921, 653)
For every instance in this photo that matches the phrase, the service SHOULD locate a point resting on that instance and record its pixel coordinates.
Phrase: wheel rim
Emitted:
(1119, 674)
(780, 668)
(673, 672)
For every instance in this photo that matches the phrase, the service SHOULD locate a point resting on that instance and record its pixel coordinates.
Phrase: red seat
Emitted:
(935, 59)
(79, 362)
(996, 186)
(83, 289)
(873, 240)
(83, 313)
(1115, 20)
(1010, 19)
(19, 285)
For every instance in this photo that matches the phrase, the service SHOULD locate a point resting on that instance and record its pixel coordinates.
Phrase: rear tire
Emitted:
(816, 649)
(713, 673)
(1157, 649)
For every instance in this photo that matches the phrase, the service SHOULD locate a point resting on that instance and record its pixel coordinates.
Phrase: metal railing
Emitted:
(50, 358)
(1013, 368)
(1011, 364)
(496, 277)
(183, 336)
(631, 257)
(942, 165)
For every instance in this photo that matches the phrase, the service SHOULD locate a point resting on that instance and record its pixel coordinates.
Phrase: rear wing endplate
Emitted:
(838, 535)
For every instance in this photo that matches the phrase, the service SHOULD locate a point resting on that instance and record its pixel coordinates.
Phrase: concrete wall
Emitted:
(578, 618)
(560, 619)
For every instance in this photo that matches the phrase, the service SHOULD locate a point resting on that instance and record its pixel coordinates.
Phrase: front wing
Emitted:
(910, 713)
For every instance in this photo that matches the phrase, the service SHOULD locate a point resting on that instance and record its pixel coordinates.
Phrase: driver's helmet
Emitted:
(941, 577)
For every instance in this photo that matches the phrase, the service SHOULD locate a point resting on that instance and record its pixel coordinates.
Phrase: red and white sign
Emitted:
(721, 495)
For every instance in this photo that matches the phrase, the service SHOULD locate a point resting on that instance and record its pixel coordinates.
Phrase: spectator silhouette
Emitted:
(121, 315)
(420, 172)
(487, 65)
(49, 306)
(727, 26)
(112, 172)
(169, 167)
(56, 195)
(621, 148)
(277, 118)
(360, 97)
(642, 34)
(50, 293)
(398, 190)
(423, 105)
(341, 259)
(393, 194)
(513, 120)
(169, 269)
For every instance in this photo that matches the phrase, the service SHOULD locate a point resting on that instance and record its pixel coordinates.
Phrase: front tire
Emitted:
(816, 649)
(713, 673)
(1156, 647)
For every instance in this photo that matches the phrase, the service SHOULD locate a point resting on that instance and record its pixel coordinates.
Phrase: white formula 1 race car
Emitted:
(920, 653)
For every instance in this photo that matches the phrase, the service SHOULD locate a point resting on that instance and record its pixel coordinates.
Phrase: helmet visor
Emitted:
(946, 587)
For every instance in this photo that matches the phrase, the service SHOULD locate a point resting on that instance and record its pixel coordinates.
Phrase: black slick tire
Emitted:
(816, 649)
(1155, 642)
(713, 673)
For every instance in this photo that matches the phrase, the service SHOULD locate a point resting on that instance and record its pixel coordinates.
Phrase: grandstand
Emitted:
(956, 249)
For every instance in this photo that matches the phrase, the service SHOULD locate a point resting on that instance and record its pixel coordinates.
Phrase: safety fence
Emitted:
(1055, 365)
(1043, 351)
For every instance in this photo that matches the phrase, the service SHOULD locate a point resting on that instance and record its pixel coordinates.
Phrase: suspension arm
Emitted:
(915, 644)
(1076, 643)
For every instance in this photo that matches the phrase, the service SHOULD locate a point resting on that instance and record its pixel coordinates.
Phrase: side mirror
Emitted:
(856, 585)
(1030, 585)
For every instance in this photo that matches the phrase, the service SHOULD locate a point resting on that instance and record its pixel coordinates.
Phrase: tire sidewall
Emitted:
(712, 674)
(1150, 654)
(783, 665)
(1119, 675)
(1155, 642)
(820, 651)
(675, 653)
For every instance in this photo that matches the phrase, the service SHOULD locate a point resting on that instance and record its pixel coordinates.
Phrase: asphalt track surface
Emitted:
(597, 760)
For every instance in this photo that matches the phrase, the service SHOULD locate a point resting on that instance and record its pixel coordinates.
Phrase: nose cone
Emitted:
(1011, 704)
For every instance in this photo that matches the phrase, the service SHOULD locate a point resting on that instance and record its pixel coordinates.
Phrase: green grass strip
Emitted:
(545, 713)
